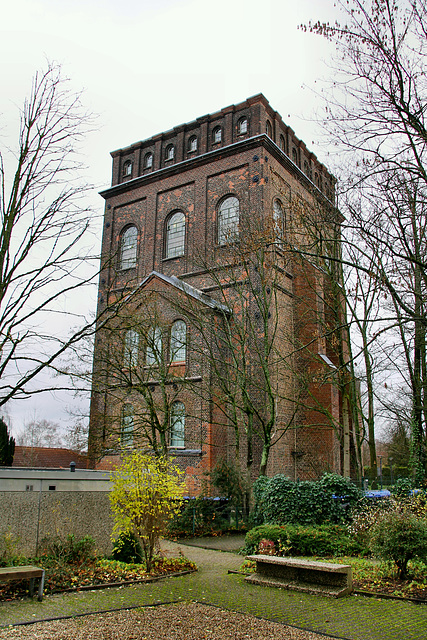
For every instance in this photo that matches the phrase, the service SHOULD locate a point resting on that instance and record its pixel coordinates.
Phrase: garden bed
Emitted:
(380, 578)
(97, 573)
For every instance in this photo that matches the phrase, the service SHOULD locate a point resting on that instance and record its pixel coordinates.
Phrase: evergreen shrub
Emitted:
(299, 540)
(402, 488)
(279, 500)
(127, 548)
(399, 536)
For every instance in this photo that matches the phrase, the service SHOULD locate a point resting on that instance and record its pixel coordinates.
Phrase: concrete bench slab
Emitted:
(27, 572)
(322, 578)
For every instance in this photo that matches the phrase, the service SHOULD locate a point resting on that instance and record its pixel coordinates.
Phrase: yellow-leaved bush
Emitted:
(147, 492)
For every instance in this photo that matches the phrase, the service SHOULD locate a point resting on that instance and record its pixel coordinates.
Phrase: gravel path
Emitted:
(168, 622)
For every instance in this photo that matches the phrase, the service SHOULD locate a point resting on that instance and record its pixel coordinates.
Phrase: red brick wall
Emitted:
(257, 172)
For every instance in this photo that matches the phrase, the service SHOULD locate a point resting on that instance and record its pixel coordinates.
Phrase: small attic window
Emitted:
(127, 168)
(170, 152)
(294, 156)
(148, 160)
(192, 144)
(242, 126)
(216, 135)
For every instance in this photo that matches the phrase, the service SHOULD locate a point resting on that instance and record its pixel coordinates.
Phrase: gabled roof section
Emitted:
(186, 288)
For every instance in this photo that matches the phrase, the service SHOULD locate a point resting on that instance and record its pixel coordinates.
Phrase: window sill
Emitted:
(191, 453)
(173, 258)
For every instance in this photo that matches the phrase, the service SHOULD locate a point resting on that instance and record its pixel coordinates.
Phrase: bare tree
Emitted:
(40, 433)
(243, 350)
(375, 111)
(263, 353)
(331, 304)
(44, 250)
(133, 365)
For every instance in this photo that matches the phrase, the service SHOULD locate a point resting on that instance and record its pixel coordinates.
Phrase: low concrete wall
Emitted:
(32, 515)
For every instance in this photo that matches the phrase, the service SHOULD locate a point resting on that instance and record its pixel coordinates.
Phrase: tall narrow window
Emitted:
(130, 354)
(175, 235)
(178, 346)
(170, 152)
(216, 135)
(127, 426)
(228, 220)
(148, 160)
(268, 129)
(177, 425)
(282, 144)
(154, 346)
(242, 126)
(128, 248)
(278, 220)
(192, 143)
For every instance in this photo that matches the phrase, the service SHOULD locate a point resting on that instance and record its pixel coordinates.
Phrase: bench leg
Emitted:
(31, 587)
(41, 587)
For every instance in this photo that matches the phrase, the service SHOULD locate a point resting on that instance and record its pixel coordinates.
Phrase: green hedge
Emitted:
(279, 500)
(398, 472)
(299, 540)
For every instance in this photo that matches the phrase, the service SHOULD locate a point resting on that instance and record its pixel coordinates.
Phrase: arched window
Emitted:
(127, 426)
(148, 160)
(154, 346)
(242, 126)
(217, 135)
(130, 353)
(268, 129)
(282, 144)
(178, 346)
(128, 248)
(278, 220)
(127, 168)
(192, 143)
(294, 155)
(170, 152)
(177, 425)
(306, 168)
(175, 235)
(228, 220)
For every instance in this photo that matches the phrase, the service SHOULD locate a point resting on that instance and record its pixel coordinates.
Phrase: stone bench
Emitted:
(322, 578)
(24, 573)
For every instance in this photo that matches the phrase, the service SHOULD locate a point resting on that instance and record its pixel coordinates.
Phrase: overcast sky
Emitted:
(148, 65)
